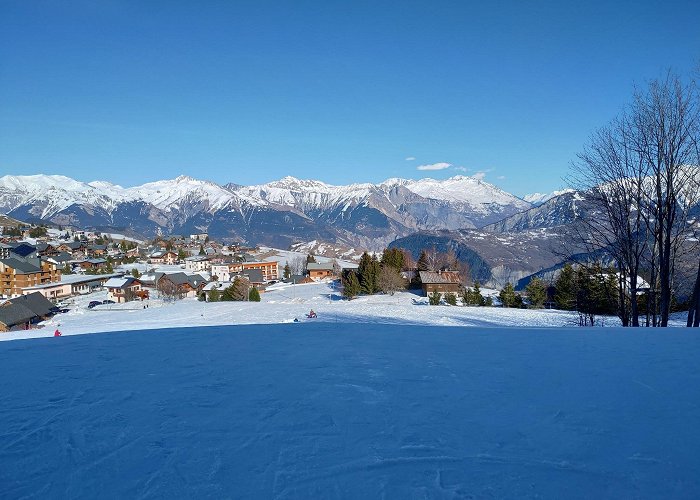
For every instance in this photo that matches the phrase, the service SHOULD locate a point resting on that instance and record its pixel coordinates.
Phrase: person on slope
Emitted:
(57, 333)
(312, 314)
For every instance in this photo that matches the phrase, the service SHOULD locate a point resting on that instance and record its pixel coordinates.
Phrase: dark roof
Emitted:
(15, 314)
(35, 302)
(442, 278)
(194, 280)
(22, 266)
(74, 245)
(253, 275)
(23, 249)
(62, 257)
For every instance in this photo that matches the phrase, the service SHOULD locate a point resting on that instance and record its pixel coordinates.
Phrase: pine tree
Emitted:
(201, 250)
(310, 259)
(434, 298)
(214, 295)
(351, 285)
(67, 269)
(135, 273)
(451, 298)
(368, 273)
(536, 293)
(287, 271)
(254, 295)
(394, 258)
(181, 255)
(565, 289)
(508, 296)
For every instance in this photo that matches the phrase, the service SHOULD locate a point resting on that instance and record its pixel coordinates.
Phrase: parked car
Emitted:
(94, 303)
(107, 301)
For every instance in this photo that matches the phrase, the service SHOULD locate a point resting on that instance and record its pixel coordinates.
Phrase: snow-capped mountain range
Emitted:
(279, 212)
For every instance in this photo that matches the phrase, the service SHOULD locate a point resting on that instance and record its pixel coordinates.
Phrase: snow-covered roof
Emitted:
(119, 282)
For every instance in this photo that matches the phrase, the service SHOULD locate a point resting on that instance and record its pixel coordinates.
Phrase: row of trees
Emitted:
(640, 173)
(239, 290)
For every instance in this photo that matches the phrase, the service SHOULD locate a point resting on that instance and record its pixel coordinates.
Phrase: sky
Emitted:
(252, 91)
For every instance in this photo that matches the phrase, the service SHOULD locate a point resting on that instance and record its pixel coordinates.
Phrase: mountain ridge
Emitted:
(288, 209)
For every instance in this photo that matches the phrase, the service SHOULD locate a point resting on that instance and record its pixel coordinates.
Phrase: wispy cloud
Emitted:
(501, 177)
(479, 175)
(410, 158)
(435, 166)
(461, 169)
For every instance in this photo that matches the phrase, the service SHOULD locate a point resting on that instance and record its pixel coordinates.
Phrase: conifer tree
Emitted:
(393, 257)
(536, 293)
(201, 250)
(351, 285)
(565, 289)
(508, 296)
(434, 298)
(287, 273)
(214, 295)
(254, 295)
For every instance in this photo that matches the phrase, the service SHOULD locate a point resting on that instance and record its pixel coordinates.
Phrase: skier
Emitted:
(57, 333)
(311, 314)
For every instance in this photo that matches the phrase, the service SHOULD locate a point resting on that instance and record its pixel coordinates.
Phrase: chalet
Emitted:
(76, 248)
(125, 289)
(197, 263)
(319, 271)
(61, 259)
(97, 250)
(167, 257)
(253, 276)
(93, 264)
(21, 312)
(46, 249)
(298, 279)
(440, 281)
(179, 284)
(18, 273)
(15, 317)
(199, 237)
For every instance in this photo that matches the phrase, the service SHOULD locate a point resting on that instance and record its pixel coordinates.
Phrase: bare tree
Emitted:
(390, 280)
(639, 174)
(298, 264)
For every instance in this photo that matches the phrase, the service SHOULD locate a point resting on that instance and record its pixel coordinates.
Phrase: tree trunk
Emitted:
(694, 309)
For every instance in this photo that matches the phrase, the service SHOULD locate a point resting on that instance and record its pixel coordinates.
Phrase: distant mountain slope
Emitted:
(278, 213)
(559, 211)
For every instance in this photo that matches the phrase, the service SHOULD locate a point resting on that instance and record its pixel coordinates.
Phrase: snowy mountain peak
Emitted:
(540, 198)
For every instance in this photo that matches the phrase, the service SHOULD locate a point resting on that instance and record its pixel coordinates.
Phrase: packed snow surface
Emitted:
(324, 410)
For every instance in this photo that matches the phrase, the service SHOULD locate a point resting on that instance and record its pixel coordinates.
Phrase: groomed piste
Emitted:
(325, 410)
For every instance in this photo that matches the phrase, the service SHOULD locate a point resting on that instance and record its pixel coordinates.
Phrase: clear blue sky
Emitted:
(247, 92)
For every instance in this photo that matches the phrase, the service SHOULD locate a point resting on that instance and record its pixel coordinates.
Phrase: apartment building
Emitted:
(17, 274)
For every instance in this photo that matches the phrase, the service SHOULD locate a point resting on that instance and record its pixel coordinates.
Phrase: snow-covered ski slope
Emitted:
(282, 303)
(327, 410)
